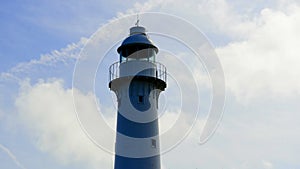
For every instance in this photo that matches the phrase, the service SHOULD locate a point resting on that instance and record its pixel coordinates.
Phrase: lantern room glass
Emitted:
(143, 54)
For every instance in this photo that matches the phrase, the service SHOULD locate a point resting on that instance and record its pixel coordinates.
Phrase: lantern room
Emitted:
(137, 46)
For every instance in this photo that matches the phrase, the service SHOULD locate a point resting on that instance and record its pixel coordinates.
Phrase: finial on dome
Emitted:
(137, 20)
(137, 29)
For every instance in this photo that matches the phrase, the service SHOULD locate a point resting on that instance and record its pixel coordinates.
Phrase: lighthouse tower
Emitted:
(137, 80)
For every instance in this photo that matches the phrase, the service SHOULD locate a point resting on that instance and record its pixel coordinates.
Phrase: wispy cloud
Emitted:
(67, 55)
(12, 156)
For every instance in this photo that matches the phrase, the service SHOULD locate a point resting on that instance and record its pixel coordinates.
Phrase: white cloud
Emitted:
(225, 19)
(46, 110)
(267, 164)
(267, 62)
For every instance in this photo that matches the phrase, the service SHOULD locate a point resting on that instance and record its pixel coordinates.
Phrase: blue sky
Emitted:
(32, 28)
(257, 44)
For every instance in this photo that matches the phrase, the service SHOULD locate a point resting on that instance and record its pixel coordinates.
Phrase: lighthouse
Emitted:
(137, 79)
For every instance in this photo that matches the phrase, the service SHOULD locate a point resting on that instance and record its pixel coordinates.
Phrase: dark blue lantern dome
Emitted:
(137, 40)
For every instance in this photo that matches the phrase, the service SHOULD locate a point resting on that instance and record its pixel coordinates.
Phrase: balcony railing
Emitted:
(160, 71)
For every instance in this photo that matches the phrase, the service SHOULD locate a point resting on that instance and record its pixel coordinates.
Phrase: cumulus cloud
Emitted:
(267, 62)
(46, 110)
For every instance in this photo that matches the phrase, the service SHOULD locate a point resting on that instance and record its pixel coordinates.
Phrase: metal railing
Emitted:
(160, 71)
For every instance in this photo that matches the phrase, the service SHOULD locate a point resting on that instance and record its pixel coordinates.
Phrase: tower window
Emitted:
(141, 99)
(153, 143)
